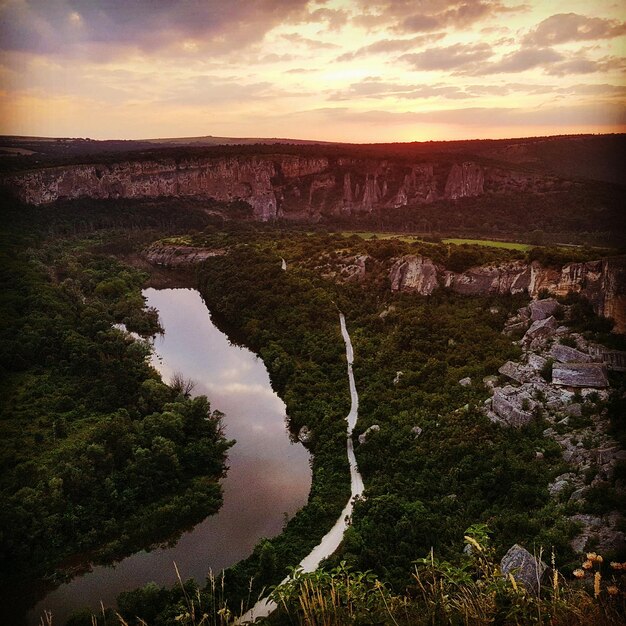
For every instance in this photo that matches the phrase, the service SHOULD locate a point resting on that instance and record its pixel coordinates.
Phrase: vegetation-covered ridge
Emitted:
(411, 352)
(472, 191)
(558, 154)
(434, 466)
(99, 457)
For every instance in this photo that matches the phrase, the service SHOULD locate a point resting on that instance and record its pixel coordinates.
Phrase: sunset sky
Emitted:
(337, 70)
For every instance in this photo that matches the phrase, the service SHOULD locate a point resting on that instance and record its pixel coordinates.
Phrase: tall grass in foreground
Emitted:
(472, 593)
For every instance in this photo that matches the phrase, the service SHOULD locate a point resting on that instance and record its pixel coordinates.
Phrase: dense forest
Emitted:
(424, 491)
(100, 457)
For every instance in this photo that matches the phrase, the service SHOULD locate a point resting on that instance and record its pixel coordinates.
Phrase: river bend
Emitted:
(268, 477)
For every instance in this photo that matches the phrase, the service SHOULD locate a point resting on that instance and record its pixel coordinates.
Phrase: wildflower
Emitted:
(612, 590)
(599, 559)
(587, 565)
(615, 565)
(591, 556)
(596, 584)
(579, 573)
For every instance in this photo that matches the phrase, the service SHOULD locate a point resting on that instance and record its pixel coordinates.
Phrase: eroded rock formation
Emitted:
(602, 282)
(465, 180)
(173, 256)
(289, 186)
(570, 395)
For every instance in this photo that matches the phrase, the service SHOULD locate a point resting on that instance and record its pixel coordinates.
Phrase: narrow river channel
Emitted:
(268, 478)
(331, 540)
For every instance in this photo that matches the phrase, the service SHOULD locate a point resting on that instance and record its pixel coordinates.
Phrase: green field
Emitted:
(510, 245)
(374, 235)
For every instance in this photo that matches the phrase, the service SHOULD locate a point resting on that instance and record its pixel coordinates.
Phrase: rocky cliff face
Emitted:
(172, 256)
(602, 282)
(465, 180)
(275, 185)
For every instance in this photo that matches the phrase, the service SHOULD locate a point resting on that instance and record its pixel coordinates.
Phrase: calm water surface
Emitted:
(268, 476)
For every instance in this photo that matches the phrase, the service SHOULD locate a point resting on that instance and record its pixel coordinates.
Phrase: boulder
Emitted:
(542, 309)
(536, 362)
(524, 567)
(574, 410)
(506, 406)
(565, 354)
(515, 327)
(517, 372)
(465, 382)
(607, 454)
(540, 329)
(374, 428)
(354, 268)
(555, 488)
(579, 375)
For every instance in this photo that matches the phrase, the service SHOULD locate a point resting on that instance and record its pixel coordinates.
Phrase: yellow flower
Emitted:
(615, 565)
(579, 573)
(612, 590)
(587, 565)
(591, 556)
(599, 559)
(596, 584)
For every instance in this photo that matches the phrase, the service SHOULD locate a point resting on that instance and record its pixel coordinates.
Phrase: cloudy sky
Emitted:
(343, 70)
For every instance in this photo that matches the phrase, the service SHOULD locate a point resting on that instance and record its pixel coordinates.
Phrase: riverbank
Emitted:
(268, 477)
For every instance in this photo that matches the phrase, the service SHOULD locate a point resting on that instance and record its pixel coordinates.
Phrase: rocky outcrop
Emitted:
(226, 179)
(464, 181)
(419, 185)
(274, 185)
(599, 533)
(571, 399)
(174, 256)
(603, 282)
(506, 278)
(414, 273)
(580, 375)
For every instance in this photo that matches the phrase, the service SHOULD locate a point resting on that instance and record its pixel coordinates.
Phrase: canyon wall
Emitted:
(275, 185)
(602, 282)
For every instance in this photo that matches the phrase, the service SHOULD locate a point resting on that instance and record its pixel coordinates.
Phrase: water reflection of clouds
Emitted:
(268, 476)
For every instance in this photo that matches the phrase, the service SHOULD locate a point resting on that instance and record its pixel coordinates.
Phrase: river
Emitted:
(268, 478)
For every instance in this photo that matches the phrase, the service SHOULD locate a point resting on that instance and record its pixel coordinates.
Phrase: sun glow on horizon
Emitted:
(343, 70)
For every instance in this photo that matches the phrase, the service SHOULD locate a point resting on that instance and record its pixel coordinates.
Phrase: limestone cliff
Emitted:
(465, 180)
(274, 185)
(176, 256)
(603, 282)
